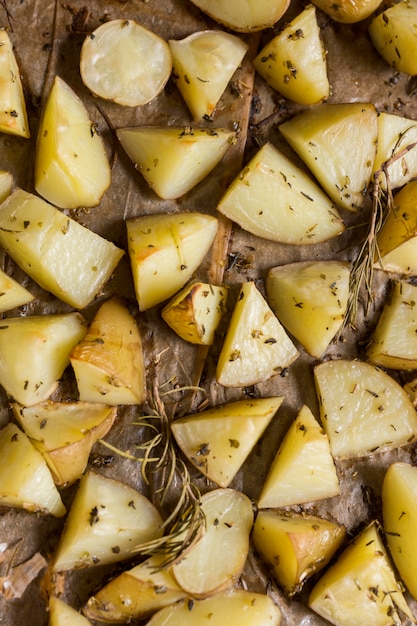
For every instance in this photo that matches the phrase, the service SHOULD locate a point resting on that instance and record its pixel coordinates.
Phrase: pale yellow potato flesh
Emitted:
(34, 352)
(204, 63)
(71, 165)
(218, 440)
(62, 614)
(25, 480)
(244, 15)
(348, 11)
(294, 61)
(399, 509)
(61, 255)
(362, 408)
(395, 161)
(295, 545)
(6, 185)
(303, 469)
(125, 62)
(361, 587)
(256, 345)
(274, 199)
(13, 114)
(12, 293)
(108, 362)
(337, 142)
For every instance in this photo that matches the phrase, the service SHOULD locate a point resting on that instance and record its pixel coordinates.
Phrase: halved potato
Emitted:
(64, 433)
(303, 469)
(135, 593)
(165, 250)
(13, 114)
(362, 409)
(235, 606)
(348, 11)
(310, 299)
(61, 255)
(12, 293)
(25, 480)
(399, 508)
(394, 340)
(108, 362)
(274, 199)
(6, 185)
(256, 346)
(218, 440)
(107, 519)
(361, 587)
(244, 15)
(294, 61)
(71, 165)
(337, 142)
(174, 160)
(62, 614)
(295, 545)
(125, 62)
(204, 63)
(195, 312)
(396, 153)
(34, 352)
(204, 570)
(393, 32)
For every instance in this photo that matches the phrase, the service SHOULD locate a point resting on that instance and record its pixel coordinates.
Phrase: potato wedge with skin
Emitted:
(348, 11)
(107, 519)
(64, 433)
(393, 32)
(235, 606)
(61, 255)
(6, 185)
(217, 441)
(244, 15)
(12, 293)
(337, 142)
(394, 341)
(125, 62)
(295, 545)
(256, 346)
(361, 587)
(13, 114)
(165, 250)
(303, 469)
(274, 199)
(173, 160)
(62, 614)
(195, 312)
(204, 63)
(71, 165)
(362, 408)
(134, 594)
(108, 362)
(310, 300)
(204, 570)
(397, 238)
(25, 480)
(396, 155)
(399, 508)
(294, 61)
(34, 352)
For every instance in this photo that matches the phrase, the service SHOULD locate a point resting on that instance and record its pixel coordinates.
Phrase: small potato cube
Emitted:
(6, 185)
(294, 61)
(12, 293)
(13, 114)
(195, 312)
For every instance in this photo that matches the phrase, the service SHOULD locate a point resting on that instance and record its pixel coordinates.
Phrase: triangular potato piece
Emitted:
(310, 299)
(6, 185)
(274, 199)
(395, 136)
(135, 593)
(64, 433)
(204, 62)
(173, 160)
(108, 362)
(25, 480)
(107, 519)
(165, 250)
(303, 469)
(34, 352)
(337, 142)
(12, 293)
(295, 545)
(13, 115)
(362, 408)
(361, 587)
(217, 441)
(62, 614)
(256, 346)
(294, 61)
